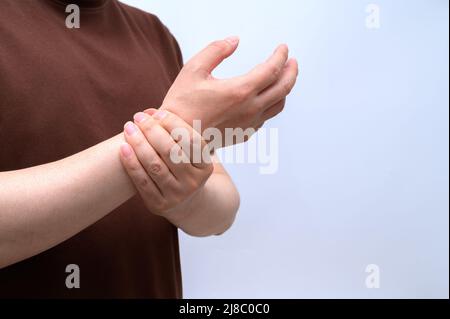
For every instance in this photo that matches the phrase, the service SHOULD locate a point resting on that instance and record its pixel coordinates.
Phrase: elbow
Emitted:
(235, 203)
(223, 221)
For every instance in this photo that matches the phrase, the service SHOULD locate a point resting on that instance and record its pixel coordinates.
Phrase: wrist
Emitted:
(189, 118)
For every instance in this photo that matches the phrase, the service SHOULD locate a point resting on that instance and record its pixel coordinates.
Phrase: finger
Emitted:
(143, 183)
(164, 145)
(274, 110)
(280, 89)
(210, 57)
(151, 111)
(268, 72)
(149, 158)
(190, 141)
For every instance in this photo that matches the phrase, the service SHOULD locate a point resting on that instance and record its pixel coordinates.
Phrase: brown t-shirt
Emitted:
(63, 90)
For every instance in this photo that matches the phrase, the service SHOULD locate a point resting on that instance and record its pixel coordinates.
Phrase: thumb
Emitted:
(210, 57)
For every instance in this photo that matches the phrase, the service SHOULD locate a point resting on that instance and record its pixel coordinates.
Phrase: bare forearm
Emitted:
(42, 206)
(212, 210)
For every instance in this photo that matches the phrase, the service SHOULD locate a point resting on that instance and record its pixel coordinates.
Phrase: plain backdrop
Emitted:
(363, 151)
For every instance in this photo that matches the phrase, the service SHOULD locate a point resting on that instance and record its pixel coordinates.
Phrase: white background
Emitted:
(363, 173)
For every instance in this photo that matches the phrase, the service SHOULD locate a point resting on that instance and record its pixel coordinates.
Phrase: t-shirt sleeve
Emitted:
(178, 52)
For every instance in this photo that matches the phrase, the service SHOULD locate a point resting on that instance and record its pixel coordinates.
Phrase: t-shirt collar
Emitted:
(84, 3)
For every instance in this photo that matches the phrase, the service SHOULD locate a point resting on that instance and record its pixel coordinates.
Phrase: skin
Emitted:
(185, 193)
(45, 205)
(243, 102)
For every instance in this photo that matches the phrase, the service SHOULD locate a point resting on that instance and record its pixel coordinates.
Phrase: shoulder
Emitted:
(154, 29)
(145, 19)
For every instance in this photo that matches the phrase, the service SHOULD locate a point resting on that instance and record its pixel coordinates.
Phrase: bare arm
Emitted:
(42, 206)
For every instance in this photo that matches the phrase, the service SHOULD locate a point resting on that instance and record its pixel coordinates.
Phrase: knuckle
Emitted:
(273, 71)
(196, 143)
(280, 108)
(259, 107)
(160, 205)
(177, 194)
(167, 150)
(239, 94)
(287, 88)
(253, 111)
(274, 111)
(192, 184)
(138, 141)
(247, 88)
(191, 140)
(155, 168)
(147, 127)
(182, 195)
(142, 182)
(133, 166)
(177, 156)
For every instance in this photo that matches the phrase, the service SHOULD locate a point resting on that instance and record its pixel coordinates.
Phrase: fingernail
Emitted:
(150, 111)
(232, 40)
(130, 128)
(126, 151)
(160, 115)
(140, 117)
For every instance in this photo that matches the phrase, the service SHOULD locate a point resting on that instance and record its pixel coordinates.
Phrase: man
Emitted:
(68, 179)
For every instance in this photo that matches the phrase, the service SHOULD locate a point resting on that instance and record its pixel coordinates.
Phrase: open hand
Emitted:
(244, 102)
